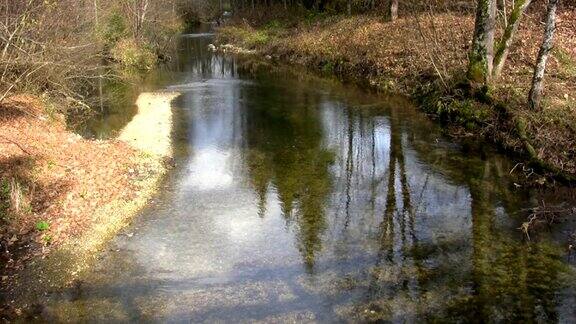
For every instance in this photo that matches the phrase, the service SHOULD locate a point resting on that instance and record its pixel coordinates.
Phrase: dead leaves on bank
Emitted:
(59, 178)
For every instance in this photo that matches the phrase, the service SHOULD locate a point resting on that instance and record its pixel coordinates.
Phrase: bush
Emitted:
(256, 38)
(113, 29)
(247, 38)
(132, 54)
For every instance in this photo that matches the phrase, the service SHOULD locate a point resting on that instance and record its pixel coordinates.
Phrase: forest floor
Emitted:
(424, 56)
(61, 194)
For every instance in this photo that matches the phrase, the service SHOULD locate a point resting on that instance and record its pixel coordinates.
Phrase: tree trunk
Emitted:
(503, 47)
(349, 7)
(393, 10)
(535, 95)
(482, 52)
(96, 17)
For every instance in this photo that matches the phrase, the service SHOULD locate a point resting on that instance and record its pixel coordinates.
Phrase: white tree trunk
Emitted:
(535, 95)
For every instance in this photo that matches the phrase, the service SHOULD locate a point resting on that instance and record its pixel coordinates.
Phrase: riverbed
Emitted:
(298, 198)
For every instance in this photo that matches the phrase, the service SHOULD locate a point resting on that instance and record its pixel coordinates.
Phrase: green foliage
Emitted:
(47, 238)
(314, 16)
(328, 67)
(113, 29)
(247, 38)
(4, 198)
(256, 38)
(274, 25)
(42, 226)
(567, 64)
(133, 54)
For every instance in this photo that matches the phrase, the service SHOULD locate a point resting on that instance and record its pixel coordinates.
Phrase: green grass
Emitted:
(4, 199)
(42, 226)
(567, 63)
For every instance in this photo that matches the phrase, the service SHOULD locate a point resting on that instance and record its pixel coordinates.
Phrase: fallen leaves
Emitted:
(65, 179)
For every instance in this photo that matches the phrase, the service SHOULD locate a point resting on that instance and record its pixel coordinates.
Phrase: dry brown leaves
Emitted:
(65, 179)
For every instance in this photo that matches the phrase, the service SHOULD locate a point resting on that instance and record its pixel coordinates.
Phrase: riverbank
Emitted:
(428, 65)
(63, 197)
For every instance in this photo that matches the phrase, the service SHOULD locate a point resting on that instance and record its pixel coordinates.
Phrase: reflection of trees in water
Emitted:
(284, 151)
(376, 191)
(202, 64)
(485, 274)
(510, 279)
(394, 271)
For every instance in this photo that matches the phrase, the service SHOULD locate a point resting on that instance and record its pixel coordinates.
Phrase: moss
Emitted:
(327, 67)
(246, 38)
(477, 71)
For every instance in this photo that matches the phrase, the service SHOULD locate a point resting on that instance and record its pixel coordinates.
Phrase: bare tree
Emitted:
(535, 95)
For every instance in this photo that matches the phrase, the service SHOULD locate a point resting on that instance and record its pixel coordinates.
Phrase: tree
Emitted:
(512, 24)
(535, 95)
(482, 53)
(487, 59)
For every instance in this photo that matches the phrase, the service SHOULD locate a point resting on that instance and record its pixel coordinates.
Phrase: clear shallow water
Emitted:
(298, 199)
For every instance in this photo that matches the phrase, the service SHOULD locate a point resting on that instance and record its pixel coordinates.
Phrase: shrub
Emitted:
(256, 38)
(113, 29)
(132, 54)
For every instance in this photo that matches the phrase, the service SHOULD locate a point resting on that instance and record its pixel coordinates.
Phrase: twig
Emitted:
(15, 143)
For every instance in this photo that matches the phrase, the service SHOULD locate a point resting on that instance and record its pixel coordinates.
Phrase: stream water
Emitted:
(296, 198)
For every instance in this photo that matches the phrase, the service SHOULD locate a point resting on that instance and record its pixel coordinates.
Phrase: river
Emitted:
(296, 198)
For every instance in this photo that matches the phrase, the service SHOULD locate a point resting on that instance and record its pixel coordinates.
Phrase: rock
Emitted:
(211, 47)
(268, 57)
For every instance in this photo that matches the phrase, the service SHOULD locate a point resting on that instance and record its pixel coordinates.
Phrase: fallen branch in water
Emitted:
(545, 215)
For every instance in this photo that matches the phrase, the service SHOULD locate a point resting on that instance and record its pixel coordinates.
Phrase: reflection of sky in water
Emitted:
(209, 170)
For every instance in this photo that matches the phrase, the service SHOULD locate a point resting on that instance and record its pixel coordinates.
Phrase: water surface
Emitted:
(296, 198)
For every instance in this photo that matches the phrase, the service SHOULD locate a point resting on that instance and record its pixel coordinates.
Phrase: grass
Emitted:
(249, 39)
(567, 63)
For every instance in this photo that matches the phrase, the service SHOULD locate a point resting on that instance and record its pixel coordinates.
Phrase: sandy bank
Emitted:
(150, 130)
